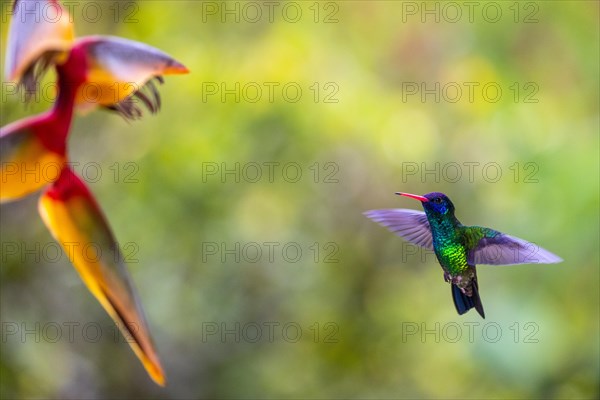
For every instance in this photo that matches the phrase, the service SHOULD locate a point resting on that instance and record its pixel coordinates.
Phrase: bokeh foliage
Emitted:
(370, 136)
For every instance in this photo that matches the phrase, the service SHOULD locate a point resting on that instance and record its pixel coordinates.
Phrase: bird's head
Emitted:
(434, 203)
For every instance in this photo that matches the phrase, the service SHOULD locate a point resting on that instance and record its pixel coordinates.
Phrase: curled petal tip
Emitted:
(176, 69)
(129, 65)
(33, 35)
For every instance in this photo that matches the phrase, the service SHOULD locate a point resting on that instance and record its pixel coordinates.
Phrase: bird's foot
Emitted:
(459, 282)
(447, 277)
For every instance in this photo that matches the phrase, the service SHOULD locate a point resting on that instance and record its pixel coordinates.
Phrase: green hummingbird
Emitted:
(458, 248)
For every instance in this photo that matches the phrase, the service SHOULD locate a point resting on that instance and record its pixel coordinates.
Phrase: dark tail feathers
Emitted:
(464, 303)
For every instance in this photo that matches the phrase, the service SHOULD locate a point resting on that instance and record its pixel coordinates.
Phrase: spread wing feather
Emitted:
(409, 224)
(497, 248)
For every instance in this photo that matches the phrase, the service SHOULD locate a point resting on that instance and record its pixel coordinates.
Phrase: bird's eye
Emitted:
(437, 200)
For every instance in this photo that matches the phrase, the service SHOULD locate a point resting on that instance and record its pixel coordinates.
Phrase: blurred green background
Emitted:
(357, 314)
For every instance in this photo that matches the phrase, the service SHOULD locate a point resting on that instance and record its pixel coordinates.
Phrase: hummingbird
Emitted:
(458, 248)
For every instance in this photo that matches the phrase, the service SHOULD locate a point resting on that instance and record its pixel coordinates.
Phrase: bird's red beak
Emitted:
(414, 196)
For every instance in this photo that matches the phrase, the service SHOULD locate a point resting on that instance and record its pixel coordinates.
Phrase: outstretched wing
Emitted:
(76, 221)
(121, 74)
(39, 29)
(496, 248)
(410, 224)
